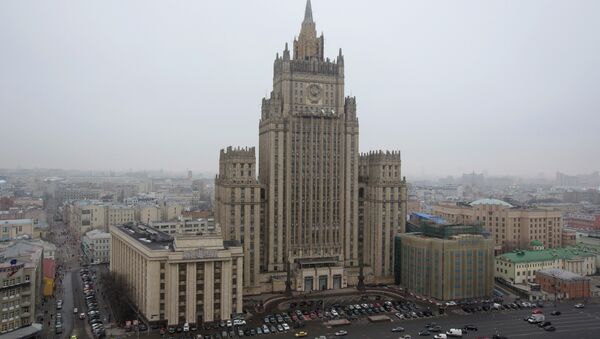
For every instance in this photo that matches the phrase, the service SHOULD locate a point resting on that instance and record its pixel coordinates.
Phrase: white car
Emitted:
(454, 332)
(285, 326)
(239, 322)
(75, 310)
(440, 336)
(579, 306)
(341, 333)
(186, 327)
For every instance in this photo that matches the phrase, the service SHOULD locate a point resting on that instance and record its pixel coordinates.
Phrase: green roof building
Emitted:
(520, 266)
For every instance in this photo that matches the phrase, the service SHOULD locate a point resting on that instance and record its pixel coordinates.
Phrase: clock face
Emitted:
(314, 93)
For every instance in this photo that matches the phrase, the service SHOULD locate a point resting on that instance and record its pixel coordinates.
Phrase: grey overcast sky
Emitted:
(507, 87)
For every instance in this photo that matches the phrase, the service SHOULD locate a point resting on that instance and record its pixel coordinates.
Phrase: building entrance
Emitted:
(337, 281)
(322, 282)
(308, 284)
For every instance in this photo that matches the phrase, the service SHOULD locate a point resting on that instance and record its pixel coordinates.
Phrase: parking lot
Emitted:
(308, 316)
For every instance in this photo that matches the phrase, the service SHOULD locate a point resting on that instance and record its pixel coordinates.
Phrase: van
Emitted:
(186, 327)
(536, 318)
(454, 332)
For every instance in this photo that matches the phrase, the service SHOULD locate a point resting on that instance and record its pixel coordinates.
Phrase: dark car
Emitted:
(470, 327)
(550, 328)
(544, 324)
(424, 333)
(436, 328)
(555, 313)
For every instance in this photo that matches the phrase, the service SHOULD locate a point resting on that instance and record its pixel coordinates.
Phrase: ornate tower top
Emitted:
(308, 12)
(307, 46)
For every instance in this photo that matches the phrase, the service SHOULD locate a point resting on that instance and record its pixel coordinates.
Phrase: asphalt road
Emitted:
(79, 328)
(572, 324)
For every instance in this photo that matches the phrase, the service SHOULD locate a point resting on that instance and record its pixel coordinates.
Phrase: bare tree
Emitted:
(118, 293)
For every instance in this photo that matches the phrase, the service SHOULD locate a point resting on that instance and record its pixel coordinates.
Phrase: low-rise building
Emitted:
(445, 261)
(181, 278)
(96, 247)
(85, 215)
(520, 266)
(583, 221)
(15, 228)
(20, 284)
(186, 225)
(560, 284)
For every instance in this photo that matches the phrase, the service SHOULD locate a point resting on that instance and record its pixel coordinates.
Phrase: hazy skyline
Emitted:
(506, 87)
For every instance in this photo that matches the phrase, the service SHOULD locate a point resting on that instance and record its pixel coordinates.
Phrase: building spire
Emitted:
(308, 12)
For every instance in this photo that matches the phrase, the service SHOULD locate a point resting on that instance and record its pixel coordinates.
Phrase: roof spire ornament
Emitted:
(308, 12)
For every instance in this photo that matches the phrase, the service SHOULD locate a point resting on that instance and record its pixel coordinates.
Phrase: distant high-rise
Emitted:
(308, 175)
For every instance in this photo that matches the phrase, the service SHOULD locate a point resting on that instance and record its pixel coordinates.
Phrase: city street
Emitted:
(68, 288)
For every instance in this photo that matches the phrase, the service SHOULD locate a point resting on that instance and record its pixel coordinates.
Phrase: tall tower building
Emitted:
(237, 208)
(382, 210)
(309, 177)
(309, 161)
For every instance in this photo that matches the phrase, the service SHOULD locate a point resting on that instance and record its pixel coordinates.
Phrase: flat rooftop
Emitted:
(148, 236)
(562, 274)
(154, 239)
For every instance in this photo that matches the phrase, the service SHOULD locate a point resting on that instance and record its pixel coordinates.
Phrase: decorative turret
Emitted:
(340, 58)
(350, 107)
(286, 53)
(308, 46)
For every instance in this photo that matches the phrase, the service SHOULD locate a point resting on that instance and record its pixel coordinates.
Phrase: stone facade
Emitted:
(238, 206)
(302, 213)
(173, 280)
(510, 227)
(382, 211)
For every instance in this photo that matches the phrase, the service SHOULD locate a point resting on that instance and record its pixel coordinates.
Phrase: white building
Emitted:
(96, 247)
